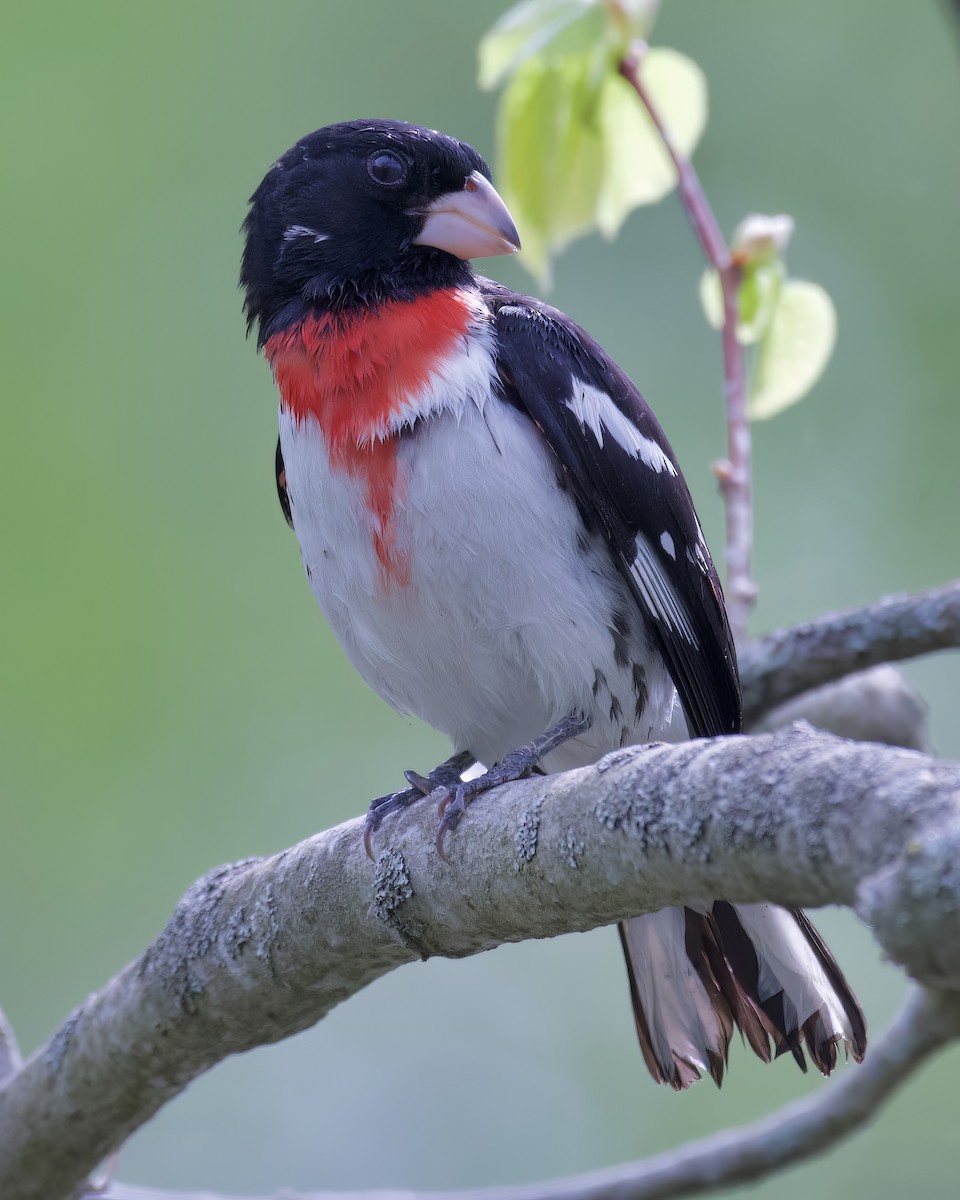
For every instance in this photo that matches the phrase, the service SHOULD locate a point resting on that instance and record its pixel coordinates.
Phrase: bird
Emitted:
(500, 537)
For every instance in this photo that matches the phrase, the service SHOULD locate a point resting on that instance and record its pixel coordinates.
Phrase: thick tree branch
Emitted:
(872, 706)
(781, 665)
(261, 949)
(790, 1135)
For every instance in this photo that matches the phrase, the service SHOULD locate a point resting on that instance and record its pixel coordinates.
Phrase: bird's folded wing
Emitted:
(621, 469)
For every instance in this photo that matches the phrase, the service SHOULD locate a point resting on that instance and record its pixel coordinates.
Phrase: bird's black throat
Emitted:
(273, 305)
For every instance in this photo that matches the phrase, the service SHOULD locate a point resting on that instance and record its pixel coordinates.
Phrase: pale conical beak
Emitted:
(472, 223)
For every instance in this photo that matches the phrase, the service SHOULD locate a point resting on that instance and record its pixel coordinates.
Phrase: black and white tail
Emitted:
(697, 973)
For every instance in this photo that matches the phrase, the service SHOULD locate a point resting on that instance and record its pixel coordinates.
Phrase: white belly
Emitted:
(503, 623)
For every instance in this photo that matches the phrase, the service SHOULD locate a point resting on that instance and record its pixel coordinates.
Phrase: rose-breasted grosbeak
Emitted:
(497, 530)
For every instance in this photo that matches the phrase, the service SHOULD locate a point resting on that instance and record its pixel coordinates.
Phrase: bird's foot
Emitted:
(382, 807)
(446, 775)
(454, 800)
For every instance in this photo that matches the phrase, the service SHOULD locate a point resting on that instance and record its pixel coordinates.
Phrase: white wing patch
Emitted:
(598, 413)
(658, 593)
(298, 231)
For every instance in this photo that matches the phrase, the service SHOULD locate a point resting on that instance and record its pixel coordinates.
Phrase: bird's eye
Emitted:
(386, 168)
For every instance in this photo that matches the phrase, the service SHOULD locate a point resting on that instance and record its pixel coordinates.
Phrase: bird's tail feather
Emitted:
(697, 973)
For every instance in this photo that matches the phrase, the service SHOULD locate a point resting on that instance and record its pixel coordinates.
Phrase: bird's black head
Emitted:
(366, 211)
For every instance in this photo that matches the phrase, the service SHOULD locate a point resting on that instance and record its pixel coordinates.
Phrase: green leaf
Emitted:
(578, 151)
(795, 349)
(629, 21)
(550, 154)
(557, 27)
(636, 168)
(760, 290)
(711, 298)
(562, 26)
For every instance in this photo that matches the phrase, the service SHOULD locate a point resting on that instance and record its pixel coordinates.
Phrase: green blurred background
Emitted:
(171, 699)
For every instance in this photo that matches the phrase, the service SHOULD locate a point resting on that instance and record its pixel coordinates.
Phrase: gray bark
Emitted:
(784, 664)
(258, 950)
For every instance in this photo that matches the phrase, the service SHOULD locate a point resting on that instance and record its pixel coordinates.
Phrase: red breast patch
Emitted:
(354, 373)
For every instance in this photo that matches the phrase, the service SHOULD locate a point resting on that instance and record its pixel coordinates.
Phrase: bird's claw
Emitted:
(370, 827)
(444, 778)
(447, 797)
(450, 810)
(380, 808)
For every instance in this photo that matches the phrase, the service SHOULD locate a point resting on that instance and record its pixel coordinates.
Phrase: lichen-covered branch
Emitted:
(775, 668)
(263, 948)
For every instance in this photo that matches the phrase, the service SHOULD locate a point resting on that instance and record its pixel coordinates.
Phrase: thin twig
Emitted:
(781, 665)
(793, 1134)
(733, 473)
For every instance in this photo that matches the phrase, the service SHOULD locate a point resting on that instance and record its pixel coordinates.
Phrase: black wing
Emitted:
(281, 473)
(627, 482)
